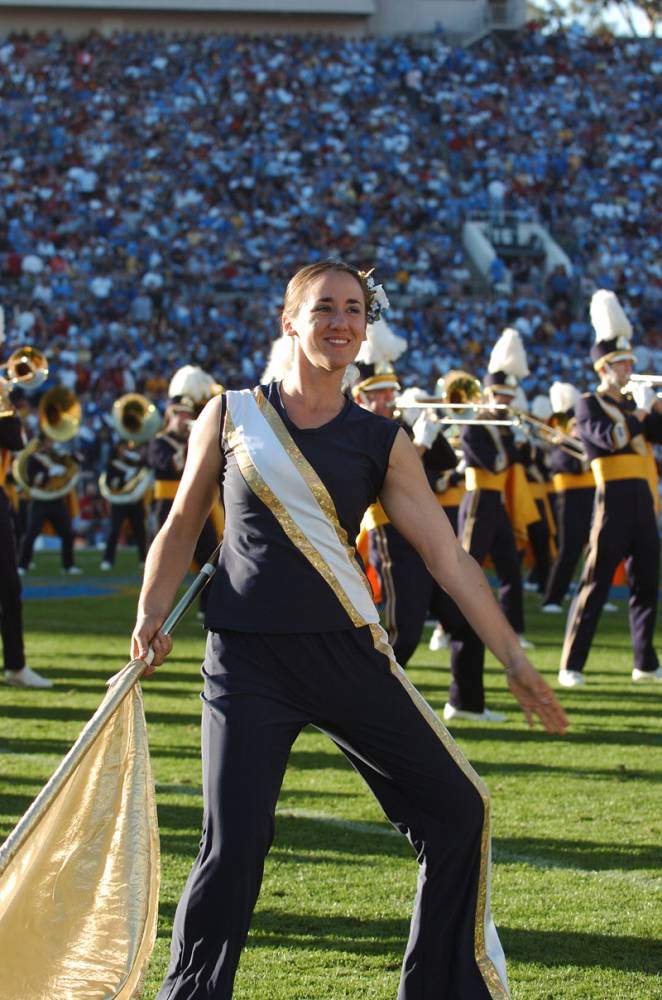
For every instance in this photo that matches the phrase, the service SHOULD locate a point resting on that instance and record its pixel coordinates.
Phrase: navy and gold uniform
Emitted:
(484, 527)
(124, 464)
(11, 610)
(285, 652)
(541, 532)
(624, 527)
(166, 456)
(407, 589)
(44, 468)
(449, 489)
(574, 488)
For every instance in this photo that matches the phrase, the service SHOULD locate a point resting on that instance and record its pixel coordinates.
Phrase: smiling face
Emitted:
(329, 324)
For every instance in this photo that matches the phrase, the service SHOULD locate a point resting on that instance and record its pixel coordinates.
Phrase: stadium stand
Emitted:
(157, 190)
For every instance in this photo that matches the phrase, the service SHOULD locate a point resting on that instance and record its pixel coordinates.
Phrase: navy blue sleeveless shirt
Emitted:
(263, 582)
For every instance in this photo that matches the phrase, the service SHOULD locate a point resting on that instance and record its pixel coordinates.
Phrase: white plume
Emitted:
(541, 407)
(191, 381)
(508, 355)
(563, 396)
(607, 316)
(381, 344)
(280, 360)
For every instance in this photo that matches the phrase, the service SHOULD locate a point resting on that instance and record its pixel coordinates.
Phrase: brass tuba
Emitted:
(136, 420)
(59, 419)
(27, 367)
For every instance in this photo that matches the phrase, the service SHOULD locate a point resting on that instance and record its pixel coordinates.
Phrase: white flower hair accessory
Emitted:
(377, 299)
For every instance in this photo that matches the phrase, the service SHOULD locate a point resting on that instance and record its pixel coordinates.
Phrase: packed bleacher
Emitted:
(157, 191)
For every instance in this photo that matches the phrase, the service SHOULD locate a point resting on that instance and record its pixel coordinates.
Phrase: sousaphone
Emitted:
(136, 420)
(59, 419)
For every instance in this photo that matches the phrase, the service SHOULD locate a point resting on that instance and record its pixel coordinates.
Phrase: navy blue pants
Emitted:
(259, 693)
(134, 513)
(11, 610)
(624, 527)
(484, 530)
(57, 512)
(574, 509)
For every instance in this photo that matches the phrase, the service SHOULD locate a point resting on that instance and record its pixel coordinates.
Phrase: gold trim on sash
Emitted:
(165, 489)
(612, 467)
(481, 479)
(487, 967)
(573, 481)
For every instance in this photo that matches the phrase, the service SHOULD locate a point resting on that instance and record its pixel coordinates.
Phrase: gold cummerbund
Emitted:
(374, 517)
(573, 481)
(165, 489)
(611, 467)
(538, 490)
(452, 497)
(481, 479)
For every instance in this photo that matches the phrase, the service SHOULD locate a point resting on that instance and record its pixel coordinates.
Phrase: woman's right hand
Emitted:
(146, 634)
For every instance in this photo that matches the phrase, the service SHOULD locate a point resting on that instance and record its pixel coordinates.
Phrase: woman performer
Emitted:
(294, 638)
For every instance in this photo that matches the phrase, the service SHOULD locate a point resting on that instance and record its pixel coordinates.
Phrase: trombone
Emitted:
(645, 377)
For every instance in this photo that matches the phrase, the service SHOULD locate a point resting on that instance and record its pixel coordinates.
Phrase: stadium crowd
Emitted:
(157, 191)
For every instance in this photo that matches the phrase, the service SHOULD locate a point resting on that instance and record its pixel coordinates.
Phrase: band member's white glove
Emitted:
(57, 470)
(644, 396)
(425, 430)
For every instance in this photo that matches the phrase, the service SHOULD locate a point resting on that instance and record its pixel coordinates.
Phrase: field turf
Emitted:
(577, 880)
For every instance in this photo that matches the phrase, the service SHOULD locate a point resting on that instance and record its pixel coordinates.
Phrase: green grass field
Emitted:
(577, 881)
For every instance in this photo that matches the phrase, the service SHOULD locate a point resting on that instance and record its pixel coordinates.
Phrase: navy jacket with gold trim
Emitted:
(607, 427)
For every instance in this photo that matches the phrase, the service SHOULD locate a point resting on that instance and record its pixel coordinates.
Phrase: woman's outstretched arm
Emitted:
(170, 554)
(415, 512)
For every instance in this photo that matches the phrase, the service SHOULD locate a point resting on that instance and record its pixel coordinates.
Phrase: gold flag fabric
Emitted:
(79, 897)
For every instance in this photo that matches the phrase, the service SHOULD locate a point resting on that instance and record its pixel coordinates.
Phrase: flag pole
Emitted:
(119, 687)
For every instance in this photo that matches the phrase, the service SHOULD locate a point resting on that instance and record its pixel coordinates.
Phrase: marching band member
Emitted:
(49, 473)
(485, 530)
(295, 640)
(125, 463)
(166, 455)
(535, 458)
(405, 583)
(190, 388)
(614, 430)
(127, 478)
(16, 671)
(574, 486)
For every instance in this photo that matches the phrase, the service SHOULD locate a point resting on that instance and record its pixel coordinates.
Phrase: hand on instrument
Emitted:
(146, 634)
(56, 469)
(644, 396)
(536, 697)
(426, 430)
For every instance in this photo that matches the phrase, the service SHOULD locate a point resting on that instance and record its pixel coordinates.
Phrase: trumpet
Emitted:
(26, 366)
